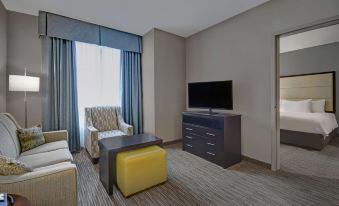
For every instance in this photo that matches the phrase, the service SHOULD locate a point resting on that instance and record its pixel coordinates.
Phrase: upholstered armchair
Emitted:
(103, 122)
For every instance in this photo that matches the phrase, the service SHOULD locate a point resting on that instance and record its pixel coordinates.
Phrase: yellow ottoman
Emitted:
(140, 169)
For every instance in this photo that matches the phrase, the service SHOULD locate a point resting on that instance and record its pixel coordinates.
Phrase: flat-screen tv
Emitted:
(217, 95)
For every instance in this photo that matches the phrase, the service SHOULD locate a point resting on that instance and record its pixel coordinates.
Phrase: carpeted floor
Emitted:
(324, 163)
(194, 181)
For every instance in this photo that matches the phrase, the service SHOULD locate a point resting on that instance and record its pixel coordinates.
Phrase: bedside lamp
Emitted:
(24, 83)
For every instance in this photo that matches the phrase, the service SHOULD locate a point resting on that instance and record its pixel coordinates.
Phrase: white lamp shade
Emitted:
(20, 83)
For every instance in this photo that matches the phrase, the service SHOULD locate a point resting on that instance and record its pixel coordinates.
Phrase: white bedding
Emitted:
(318, 123)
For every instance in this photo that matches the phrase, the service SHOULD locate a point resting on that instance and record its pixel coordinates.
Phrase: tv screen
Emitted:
(217, 95)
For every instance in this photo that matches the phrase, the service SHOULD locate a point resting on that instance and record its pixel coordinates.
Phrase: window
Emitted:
(98, 78)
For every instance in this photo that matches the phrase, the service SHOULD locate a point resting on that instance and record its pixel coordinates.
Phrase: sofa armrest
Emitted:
(51, 185)
(54, 136)
(126, 128)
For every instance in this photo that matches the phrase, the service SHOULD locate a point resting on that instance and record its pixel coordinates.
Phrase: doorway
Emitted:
(293, 52)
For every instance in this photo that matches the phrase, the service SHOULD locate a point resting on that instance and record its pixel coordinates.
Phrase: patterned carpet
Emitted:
(194, 181)
(324, 163)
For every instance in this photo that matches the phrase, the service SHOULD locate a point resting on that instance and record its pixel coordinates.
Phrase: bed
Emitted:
(302, 126)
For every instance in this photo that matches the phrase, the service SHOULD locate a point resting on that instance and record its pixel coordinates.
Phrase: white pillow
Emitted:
(318, 106)
(296, 106)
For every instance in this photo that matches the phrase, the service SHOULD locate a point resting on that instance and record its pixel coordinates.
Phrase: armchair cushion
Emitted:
(104, 118)
(46, 158)
(112, 133)
(47, 147)
(30, 138)
(10, 166)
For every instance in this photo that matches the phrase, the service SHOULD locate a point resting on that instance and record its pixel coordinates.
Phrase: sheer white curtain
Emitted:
(98, 76)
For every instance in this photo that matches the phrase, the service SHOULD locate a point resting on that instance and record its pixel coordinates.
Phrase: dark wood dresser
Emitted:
(216, 137)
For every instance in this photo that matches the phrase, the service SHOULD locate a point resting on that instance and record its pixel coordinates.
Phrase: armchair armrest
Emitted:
(92, 133)
(54, 136)
(126, 128)
(50, 185)
(92, 129)
(91, 141)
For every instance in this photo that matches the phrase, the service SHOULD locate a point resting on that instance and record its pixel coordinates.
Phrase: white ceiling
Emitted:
(317, 37)
(181, 17)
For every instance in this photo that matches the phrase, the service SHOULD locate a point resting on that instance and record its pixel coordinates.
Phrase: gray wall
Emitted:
(3, 56)
(241, 49)
(148, 79)
(170, 80)
(312, 60)
(23, 50)
(163, 84)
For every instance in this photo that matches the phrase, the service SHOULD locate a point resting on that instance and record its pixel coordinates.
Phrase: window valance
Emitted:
(71, 29)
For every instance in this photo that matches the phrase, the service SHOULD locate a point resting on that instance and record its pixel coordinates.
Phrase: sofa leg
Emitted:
(95, 160)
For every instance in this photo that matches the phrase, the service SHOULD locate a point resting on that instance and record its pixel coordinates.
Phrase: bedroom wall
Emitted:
(322, 58)
(3, 56)
(242, 49)
(23, 50)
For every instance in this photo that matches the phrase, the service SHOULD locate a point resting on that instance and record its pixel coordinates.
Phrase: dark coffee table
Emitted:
(110, 147)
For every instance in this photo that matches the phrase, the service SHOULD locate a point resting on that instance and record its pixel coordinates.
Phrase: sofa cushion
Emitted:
(9, 166)
(112, 133)
(54, 166)
(9, 145)
(104, 118)
(30, 138)
(46, 158)
(47, 147)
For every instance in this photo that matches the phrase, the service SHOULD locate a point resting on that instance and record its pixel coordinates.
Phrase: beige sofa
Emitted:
(103, 122)
(53, 180)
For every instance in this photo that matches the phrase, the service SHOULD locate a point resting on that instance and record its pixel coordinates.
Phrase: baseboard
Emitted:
(257, 162)
(172, 142)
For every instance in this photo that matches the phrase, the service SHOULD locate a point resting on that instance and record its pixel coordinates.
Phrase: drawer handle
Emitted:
(210, 144)
(210, 153)
(188, 145)
(189, 129)
(210, 134)
(189, 137)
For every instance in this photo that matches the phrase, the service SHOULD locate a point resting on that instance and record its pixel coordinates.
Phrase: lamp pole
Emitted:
(25, 100)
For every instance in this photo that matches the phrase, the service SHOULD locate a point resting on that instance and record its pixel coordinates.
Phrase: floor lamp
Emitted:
(24, 83)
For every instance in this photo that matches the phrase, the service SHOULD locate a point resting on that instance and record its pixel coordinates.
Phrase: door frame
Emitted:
(275, 82)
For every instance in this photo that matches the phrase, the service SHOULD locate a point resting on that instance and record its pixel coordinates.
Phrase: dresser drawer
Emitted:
(202, 131)
(204, 121)
(207, 155)
(210, 156)
(204, 143)
(191, 148)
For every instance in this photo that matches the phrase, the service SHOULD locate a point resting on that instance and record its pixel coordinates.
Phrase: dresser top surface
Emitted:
(207, 114)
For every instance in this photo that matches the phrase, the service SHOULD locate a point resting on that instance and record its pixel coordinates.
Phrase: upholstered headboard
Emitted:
(310, 86)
